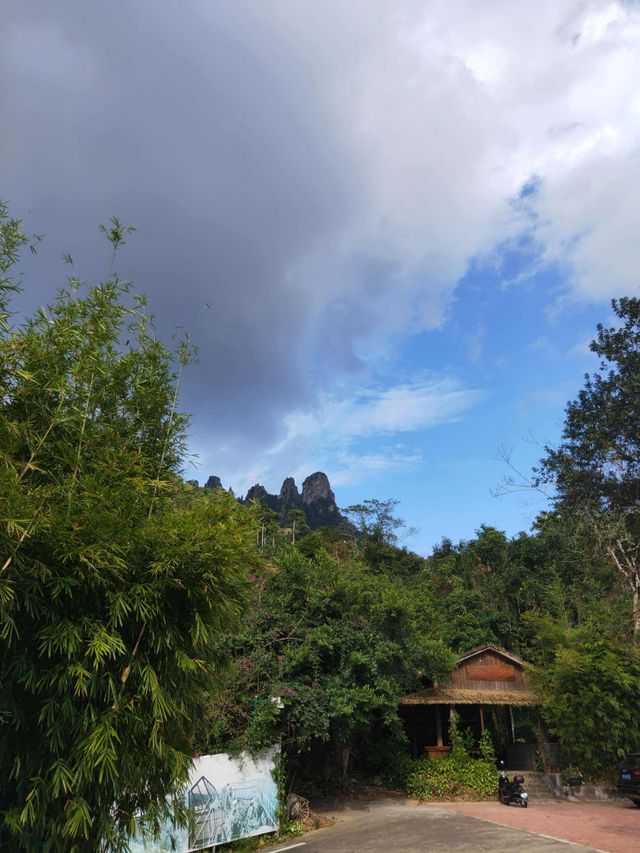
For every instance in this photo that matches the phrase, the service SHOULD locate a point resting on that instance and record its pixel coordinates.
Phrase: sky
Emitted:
(390, 226)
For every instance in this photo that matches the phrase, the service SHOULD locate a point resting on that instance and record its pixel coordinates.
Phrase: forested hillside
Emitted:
(340, 629)
(341, 626)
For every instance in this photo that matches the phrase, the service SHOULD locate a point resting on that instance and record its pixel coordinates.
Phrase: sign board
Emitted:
(230, 798)
(491, 672)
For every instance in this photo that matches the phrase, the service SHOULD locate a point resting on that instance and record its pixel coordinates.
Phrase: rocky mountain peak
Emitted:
(317, 500)
(288, 499)
(256, 493)
(289, 492)
(316, 487)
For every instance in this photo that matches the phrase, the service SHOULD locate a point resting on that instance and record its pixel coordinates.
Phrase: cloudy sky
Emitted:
(406, 216)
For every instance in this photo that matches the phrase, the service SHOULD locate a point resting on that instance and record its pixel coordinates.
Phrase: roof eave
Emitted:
(490, 647)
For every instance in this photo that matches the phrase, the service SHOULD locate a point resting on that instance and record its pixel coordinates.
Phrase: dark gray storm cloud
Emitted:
(195, 123)
(321, 173)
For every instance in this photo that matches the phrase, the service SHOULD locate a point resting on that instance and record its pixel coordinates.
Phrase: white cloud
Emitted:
(351, 469)
(475, 342)
(448, 108)
(337, 435)
(402, 408)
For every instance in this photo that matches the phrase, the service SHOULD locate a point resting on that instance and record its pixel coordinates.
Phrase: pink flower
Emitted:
(280, 657)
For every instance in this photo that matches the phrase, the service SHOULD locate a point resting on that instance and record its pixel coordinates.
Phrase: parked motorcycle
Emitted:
(511, 790)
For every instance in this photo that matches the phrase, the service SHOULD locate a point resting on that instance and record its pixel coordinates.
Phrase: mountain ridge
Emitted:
(317, 500)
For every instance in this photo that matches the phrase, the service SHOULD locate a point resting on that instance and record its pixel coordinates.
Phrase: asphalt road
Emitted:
(406, 827)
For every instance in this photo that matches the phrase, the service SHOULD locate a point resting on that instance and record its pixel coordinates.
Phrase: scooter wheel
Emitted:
(525, 803)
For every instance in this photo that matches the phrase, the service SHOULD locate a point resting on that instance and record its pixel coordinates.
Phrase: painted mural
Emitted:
(230, 798)
(235, 811)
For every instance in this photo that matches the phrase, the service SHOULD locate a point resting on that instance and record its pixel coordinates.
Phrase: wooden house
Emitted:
(483, 680)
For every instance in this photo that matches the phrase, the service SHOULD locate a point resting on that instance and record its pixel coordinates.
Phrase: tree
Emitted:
(375, 519)
(116, 577)
(596, 468)
(590, 698)
(296, 522)
(340, 643)
(598, 460)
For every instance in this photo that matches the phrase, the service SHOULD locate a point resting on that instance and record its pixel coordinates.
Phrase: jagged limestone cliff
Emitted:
(317, 500)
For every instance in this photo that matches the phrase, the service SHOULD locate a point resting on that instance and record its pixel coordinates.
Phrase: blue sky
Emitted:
(407, 217)
(525, 360)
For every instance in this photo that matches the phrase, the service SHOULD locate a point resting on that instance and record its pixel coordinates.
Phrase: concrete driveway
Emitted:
(398, 826)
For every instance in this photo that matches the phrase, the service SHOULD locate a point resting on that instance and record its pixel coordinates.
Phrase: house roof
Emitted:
(443, 695)
(463, 696)
(489, 647)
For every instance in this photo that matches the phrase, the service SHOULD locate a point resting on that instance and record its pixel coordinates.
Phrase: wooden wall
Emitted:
(489, 671)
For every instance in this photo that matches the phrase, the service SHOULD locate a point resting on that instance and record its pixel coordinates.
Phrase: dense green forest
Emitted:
(341, 629)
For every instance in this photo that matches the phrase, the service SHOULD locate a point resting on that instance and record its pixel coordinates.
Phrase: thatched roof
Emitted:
(459, 696)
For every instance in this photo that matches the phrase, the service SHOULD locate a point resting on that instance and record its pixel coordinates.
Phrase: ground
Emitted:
(403, 826)
(612, 826)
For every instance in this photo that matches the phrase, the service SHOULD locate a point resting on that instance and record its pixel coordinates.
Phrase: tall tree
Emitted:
(376, 519)
(116, 578)
(596, 468)
(598, 460)
(588, 687)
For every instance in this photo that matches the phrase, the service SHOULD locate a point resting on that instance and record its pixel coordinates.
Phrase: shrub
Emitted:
(486, 748)
(453, 776)
(398, 770)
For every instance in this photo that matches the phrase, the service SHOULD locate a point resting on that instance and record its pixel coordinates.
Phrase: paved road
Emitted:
(406, 827)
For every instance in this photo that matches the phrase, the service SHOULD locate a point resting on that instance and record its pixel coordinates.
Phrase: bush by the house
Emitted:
(453, 776)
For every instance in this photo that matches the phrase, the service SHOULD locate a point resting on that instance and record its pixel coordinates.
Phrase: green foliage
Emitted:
(591, 696)
(127, 600)
(588, 675)
(339, 643)
(596, 468)
(486, 748)
(454, 776)
(389, 762)
(486, 584)
(456, 735)
(376, 520)
(117, 579)
(296, 524)
(574, 580)
(598, 460)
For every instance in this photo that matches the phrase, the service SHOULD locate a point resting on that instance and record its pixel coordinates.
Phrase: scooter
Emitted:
(511, 790)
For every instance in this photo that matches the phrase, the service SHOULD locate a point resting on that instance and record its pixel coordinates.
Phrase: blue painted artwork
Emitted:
(170, 839)
(235, 811)
(229, 799)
